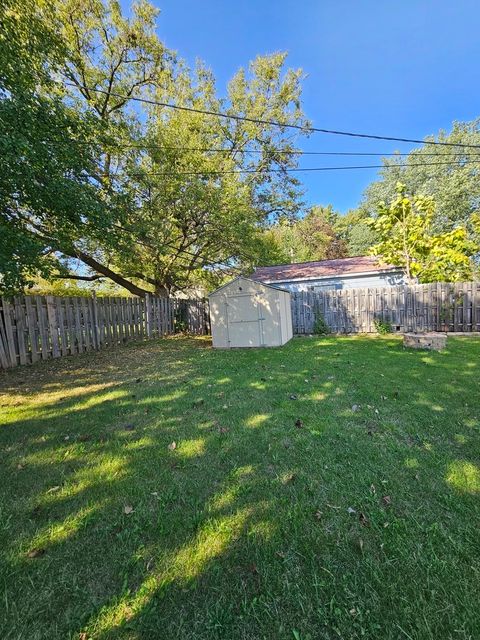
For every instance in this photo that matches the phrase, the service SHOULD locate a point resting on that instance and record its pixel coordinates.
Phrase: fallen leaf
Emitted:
(287, 444)
(387, 501)
(36, 552)
(355, 407)
(363, 519)
(332, 506)
(20, 466)
(318, 514)
(128, 509)
(150, 564)
(353, 612)
(53, 489)
(83, 636)
(154, 493)
(372, 489)
(289, 478)
(293, 396)
(223, 429)
(172, 446)
(280, 554)
(360, 544)
(298, 423)
(351, 510)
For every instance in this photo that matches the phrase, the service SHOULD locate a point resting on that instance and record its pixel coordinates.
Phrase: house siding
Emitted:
(343, 282)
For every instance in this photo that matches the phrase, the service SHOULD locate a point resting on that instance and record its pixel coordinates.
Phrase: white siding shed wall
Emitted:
(244, 313)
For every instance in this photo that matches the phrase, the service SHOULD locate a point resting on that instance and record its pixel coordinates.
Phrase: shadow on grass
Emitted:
(168, 493)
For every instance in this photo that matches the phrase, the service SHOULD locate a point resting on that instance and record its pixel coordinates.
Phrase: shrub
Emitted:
(382, 326)
(320, 327)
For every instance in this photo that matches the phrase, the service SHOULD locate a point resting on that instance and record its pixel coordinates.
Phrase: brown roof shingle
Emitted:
(321, 269)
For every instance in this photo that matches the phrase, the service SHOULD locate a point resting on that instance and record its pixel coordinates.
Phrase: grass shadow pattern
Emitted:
(326, 489)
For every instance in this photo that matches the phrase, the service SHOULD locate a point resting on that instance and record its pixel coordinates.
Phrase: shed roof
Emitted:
(321, 269)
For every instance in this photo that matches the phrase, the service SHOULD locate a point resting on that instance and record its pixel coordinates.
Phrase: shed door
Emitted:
(244, 313)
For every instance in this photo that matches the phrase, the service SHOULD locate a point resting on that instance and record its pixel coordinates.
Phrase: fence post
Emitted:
(53, 326)
(96, 326)
(148, 315)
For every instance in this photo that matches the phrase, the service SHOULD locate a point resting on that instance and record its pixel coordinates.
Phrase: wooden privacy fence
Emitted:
(425, 307)
(40, 327)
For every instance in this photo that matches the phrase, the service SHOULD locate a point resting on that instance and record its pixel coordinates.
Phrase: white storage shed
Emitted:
(244, 313)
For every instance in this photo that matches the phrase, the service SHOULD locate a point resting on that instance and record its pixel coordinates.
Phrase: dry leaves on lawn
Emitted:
(172, 446)
(128, 509)
(363, 519)
(36, 552)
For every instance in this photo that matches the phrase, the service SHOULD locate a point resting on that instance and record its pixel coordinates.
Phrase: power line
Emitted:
(295, 170)
(283, 125)
(124, 145)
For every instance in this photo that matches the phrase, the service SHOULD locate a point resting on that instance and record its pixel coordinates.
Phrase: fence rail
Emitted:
(40, 327)
(427, 307)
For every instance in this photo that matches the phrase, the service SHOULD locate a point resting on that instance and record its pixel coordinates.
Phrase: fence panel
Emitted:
(40, 327)
(423, 307)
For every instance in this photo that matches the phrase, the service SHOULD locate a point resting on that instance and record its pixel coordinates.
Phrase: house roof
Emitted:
(321, 269)
(250, 279)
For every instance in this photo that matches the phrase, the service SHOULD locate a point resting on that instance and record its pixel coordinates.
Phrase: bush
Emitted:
(382, 326)
(320, 327)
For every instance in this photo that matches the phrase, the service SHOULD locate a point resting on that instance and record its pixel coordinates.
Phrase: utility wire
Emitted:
(124, 145)
(283, 125)
(295, 170)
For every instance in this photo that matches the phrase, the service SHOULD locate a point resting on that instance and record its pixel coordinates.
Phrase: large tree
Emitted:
(175, 194)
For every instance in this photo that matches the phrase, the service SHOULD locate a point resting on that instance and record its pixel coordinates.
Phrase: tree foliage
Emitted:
(450, 175)
(408, 239)
(47, 191)
(150, 197)
(313, 237)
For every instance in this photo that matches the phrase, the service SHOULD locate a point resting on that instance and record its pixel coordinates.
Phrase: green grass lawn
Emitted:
(361, 523)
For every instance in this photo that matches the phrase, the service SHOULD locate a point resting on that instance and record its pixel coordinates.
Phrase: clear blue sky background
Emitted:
(403, 69)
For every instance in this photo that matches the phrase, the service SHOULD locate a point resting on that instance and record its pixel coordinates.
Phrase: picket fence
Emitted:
(36, 328)
(428, 307)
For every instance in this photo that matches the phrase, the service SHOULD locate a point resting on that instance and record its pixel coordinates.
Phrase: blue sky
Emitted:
(403, 69)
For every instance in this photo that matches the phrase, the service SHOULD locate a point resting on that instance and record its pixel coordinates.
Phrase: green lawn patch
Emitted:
(326, 489)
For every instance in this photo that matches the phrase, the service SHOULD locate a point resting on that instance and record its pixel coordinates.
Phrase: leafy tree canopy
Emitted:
(313, 237)
(407, 238)
(449, 174)
(147, 196)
